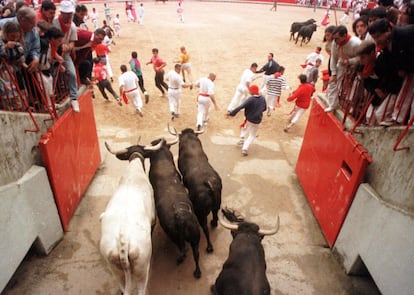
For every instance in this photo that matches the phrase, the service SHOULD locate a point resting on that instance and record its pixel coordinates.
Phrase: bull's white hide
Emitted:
(126, 229)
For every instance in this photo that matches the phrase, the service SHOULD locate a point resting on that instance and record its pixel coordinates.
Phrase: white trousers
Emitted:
(239, 96)
(203, 109)
(250, 130)
(174, 100)
(333, 88)
(296, 114)
(135, 97)
(270, 101)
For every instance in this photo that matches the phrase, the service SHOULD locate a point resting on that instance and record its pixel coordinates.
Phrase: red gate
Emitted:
(330, 167)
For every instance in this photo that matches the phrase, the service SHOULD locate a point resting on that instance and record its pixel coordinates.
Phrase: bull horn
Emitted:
(139, 139)
(201, 131)
(171, 132)
(269, 232)
(153, 147)
(225, 223)
(114, 152)
(173, 141)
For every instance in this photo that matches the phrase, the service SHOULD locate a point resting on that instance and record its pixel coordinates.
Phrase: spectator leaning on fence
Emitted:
(26, 17)
(398, 44)
(343, 55)
(65, 24)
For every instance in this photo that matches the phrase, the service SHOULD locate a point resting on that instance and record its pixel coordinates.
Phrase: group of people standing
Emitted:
(381, 56)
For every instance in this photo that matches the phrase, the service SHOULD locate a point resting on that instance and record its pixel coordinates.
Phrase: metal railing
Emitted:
(21, 91)
(396, 109)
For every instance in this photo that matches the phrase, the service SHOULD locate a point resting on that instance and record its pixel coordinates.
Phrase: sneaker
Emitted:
(244, 153)
(387, 123)
(112, 79)
(172, 116)
(75, 105)
(198, 127)
(329, 109)
(268, 111)
(146, 95)
(240, 142)
(139, 112)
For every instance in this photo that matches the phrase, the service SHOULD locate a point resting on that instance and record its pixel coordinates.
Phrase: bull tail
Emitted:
(215, 188)
(123, 247)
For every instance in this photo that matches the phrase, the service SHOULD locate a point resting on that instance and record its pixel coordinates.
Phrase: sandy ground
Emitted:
(223, 38)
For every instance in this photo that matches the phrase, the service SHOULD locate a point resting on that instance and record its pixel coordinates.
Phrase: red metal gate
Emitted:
(70, 152)
(330, 167)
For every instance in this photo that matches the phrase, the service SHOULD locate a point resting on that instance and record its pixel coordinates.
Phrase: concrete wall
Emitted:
(382, 237)
(391, 173)
(28, 214)
(19, 148)
(378, 232)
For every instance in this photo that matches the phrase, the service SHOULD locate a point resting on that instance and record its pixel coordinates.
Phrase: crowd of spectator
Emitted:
(374, 68)
(38, 46)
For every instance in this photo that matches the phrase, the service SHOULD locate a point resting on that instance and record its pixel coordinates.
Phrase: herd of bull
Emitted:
(304, 30)
(182, 200)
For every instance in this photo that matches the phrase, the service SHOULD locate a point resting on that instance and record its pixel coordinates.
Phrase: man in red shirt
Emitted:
(302, 96)
(101, 76)
(158, 64)
(84, 46)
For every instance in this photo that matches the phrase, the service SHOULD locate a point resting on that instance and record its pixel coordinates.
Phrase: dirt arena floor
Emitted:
(223, 38)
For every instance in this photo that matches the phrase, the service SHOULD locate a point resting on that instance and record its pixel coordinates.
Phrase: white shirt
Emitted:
(116, 21)
(129, 80)
(141, 11)
(206, 85)
(311, 58)
(175, 80)
(247, 76)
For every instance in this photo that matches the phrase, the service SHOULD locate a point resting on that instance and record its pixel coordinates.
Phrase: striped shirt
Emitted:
(275, 85)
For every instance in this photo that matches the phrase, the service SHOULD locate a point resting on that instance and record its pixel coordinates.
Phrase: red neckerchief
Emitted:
(277, 75)
(368, 70)
(65, 27)
(345, 41)
(53, 50)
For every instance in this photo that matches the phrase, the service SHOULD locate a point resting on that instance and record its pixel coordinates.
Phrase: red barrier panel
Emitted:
(70, 152)
(330, 167)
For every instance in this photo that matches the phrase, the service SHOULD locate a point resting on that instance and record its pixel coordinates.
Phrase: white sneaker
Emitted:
(244, 153)
(240, 142)
(75, 105)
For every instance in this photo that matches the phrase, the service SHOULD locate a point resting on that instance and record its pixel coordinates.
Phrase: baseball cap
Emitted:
(254, 89)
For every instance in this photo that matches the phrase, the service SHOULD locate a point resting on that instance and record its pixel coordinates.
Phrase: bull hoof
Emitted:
(197, 274)
(209, 249)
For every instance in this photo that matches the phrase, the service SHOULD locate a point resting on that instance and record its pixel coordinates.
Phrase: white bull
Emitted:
(126, 225)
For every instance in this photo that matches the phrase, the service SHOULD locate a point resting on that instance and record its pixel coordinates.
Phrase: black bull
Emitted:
(202, 181)
(244, 271)
(174, 208)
